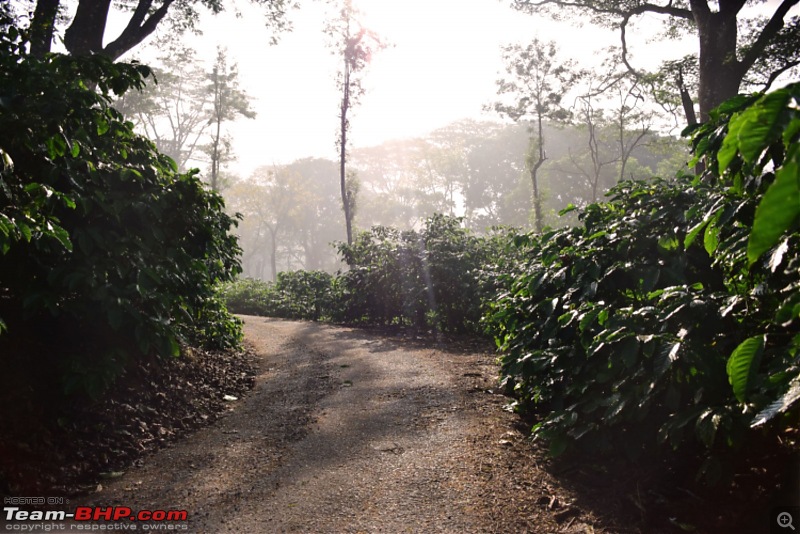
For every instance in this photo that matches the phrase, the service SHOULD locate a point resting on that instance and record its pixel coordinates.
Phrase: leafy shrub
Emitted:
(435, 278)
(653, 323)
(102, 241)
(249, 297)
(428, 278)
(294, 295)
(305, 294)
(752, 145)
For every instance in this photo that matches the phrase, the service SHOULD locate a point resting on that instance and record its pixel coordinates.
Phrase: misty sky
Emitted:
(442, 67)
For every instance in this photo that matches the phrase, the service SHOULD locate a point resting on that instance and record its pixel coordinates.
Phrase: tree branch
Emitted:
(138, 28)
(639, 9)
(772, 28)
(775, 74)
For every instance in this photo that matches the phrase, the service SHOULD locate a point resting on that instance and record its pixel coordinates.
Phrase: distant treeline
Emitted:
(475, 170)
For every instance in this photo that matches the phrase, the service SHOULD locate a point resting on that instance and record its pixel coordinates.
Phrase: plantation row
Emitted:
(107, 253)
(667, 320)
(435, 278)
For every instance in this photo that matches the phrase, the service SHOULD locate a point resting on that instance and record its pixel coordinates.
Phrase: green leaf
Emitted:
(778, 210)
(174, 347)
(570, 207)
(757, 127)
(693, 233)
(56, 146)
(711, 239)
(706, 427)
(667, 354)
(588, 319)
(628, 351)
(730, 146)
(558, 444)
(776, 257)
(780, 405)
(25, 230)
(668, 243)
(743, 363)
(61, 235)
(102, 126)
(791, 132)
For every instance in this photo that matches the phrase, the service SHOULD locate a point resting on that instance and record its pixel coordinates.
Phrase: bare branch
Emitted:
(772, 28)
(138, 28)
(639, 9)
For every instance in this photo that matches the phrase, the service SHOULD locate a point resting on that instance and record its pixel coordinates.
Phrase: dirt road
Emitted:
(348, 431)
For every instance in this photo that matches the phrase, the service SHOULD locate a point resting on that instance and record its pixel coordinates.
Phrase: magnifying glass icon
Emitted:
(785, 520)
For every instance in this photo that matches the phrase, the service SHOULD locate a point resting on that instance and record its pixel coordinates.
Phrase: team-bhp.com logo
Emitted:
(95, 518)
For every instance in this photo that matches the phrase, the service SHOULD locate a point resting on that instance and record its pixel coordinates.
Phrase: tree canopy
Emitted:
(103, 243)
(86, 32)
(355, 44)
(734, 47)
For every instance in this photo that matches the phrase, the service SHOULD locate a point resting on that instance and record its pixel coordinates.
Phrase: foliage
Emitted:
(86, 33)
(228, 103)
(286, 213)
(478, 170)
(756, 133)
(654, 323)
(173, 110)
(434, 278)
(741, 42)
(759, 155)
(538, 82)
(425, 279)
(100, 237)
(355, 45)
(248, 296)
(294, 295)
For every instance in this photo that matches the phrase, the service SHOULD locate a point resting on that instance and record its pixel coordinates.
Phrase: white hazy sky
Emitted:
(442, 67)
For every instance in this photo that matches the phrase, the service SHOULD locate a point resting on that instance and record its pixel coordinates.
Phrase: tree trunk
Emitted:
(534, 169)
(343, 152)
(215, 157)
(686, 101)
(273, 254)
(85, 34)
(720, 72)
(42, 25)
(217, 118)
(537, 199)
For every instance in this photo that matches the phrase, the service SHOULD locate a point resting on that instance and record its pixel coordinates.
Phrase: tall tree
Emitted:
(355, 45)
(267, 203)
(85, 33)
(313, 230)
(536, 84)
(629, 116)
(287, 212)
(174, 112)
(497, 191)
(387, 173)
(600, 152)
(229, 102)
(733, 47)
